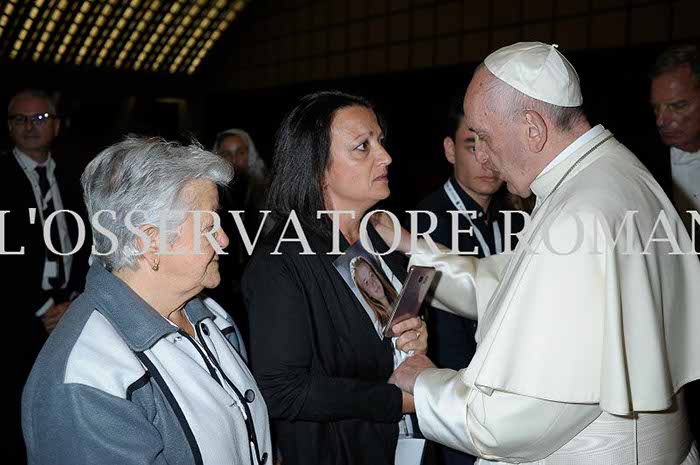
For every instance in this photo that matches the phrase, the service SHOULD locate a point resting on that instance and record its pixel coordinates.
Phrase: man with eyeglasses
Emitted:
(42, 281)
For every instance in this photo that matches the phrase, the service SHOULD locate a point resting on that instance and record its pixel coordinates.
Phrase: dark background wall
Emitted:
(409, 56)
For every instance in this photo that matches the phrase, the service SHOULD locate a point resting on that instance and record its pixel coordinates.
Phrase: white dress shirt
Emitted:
(685, 171)
(29, 166)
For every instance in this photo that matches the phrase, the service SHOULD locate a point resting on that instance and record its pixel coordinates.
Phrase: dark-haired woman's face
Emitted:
(356, 178)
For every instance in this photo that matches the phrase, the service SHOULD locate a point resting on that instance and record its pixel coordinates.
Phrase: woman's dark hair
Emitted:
(301, 157)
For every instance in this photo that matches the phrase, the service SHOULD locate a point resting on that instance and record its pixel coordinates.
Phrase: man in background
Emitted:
(675, 97)
(32, 187)
(473, 190)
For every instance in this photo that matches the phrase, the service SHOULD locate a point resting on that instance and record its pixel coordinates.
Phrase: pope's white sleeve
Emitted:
(465, 283)
(501, 427)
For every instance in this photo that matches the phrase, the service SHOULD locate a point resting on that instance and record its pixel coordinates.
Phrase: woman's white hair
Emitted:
(256, 165)
(144, 177)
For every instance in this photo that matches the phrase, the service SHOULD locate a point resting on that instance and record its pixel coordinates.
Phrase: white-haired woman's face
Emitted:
(193, 264)
(235, 149)
(368, 280)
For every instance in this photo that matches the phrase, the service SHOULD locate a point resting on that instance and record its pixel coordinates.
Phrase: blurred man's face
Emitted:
(30, 128)
(675, 97)
(475, 177)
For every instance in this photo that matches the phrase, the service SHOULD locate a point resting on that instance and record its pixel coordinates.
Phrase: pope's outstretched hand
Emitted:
(406, 374)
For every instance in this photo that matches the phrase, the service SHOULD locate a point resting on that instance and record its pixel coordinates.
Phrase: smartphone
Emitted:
(412, 295)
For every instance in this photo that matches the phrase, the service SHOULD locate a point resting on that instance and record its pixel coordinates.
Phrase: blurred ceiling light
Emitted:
(222, 26)
(165, 35)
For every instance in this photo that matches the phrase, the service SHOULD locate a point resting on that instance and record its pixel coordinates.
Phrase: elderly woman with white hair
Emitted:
(141, 370)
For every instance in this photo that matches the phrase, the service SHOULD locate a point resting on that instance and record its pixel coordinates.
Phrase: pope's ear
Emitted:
(536, 131)
(449, 146)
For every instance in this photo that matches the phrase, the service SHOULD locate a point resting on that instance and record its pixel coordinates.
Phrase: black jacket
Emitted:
(452, 343)
(22, 276)
(24, 273)
(317, 358)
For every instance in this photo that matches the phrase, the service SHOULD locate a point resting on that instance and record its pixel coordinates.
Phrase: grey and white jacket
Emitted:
(116, 383)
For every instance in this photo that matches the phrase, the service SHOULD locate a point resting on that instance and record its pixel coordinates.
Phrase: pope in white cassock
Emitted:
(589, 330)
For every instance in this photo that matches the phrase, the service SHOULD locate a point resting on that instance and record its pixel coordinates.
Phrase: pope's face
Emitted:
(497, 145)
(675, 97)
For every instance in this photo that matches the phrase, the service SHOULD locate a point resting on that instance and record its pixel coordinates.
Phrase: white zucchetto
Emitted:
(537, 70)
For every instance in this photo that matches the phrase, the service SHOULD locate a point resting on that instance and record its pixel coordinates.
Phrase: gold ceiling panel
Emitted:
(140, 35)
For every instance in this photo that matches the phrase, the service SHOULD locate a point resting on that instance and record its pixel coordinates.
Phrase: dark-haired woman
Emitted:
(320, 363)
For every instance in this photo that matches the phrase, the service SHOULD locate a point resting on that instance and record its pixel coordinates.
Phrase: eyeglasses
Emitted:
(37, 119)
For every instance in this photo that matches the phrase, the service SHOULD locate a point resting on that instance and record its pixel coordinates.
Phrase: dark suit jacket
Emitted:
(317, 358)
(23, 274)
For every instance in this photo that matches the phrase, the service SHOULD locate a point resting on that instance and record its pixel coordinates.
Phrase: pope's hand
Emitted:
(406, 374)
(385, 227)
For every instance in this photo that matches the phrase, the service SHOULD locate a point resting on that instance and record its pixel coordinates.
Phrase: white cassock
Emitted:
(581, 356)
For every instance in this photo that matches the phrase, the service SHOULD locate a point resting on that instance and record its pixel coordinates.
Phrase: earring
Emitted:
(155, 266)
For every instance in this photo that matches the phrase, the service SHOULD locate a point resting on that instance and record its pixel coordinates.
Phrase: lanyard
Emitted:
(457, 202)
